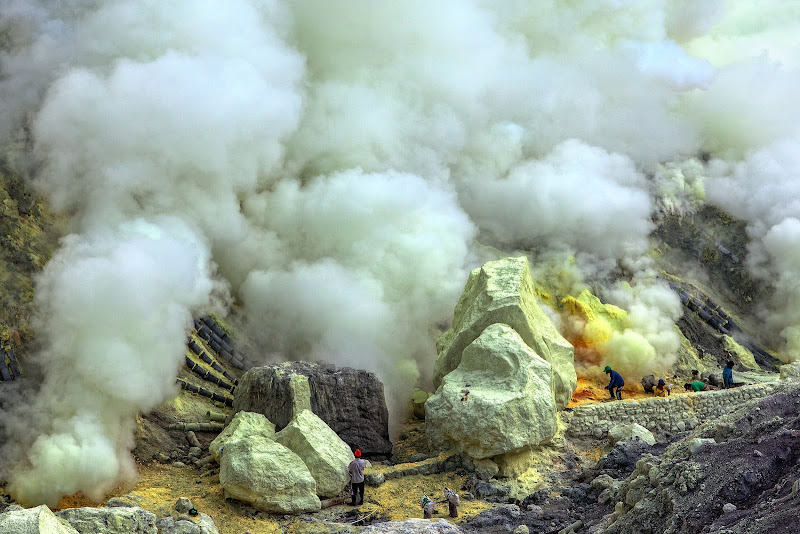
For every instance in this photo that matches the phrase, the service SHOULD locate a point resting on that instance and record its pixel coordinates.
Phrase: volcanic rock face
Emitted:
(496, 401)
(503, 292)
(349, 401)
(267, 475)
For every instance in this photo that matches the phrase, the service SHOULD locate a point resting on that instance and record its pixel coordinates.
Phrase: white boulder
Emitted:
(502, 291)
(496, 401)
(243, 425)
(267, 475)
(323, 452)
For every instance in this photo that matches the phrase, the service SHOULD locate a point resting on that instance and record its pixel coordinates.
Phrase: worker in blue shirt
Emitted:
(616, 382)
(727, 375)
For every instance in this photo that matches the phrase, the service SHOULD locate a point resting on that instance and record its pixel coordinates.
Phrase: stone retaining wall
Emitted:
(676, 413)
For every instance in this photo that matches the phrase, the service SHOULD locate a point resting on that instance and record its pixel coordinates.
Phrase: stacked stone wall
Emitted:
(676, 413)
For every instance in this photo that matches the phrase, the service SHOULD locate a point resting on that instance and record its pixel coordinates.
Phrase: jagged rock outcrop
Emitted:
(323, 452)
(503, 292)
(748, 459)
(267, 475)
(114, 520)
(243, 426)
(497, 399)
(350, 401)
(38, 520)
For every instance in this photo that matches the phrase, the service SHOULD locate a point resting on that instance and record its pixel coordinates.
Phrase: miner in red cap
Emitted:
(356, 470)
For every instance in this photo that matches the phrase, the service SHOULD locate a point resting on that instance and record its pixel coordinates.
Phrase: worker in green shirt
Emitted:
(697, 385)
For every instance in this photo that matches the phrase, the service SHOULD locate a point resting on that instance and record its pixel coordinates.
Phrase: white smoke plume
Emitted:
(114, 334)
(331, 163)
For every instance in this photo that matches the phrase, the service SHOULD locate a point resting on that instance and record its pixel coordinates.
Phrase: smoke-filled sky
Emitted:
(330, 166)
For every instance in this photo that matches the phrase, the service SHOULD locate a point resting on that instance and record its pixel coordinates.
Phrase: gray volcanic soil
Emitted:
(748, 459)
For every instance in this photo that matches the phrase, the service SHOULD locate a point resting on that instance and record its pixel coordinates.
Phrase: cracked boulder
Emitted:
(502, 292)
(268, 476)
(497, 400)
(323, 452)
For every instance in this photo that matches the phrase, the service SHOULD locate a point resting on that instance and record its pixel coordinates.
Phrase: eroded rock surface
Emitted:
(114, 520)
(748, 459)
(496, 401)
(414, 526)
(323, 452)
(243, 425)
(267, 475)
(503, 292)
(38, 520)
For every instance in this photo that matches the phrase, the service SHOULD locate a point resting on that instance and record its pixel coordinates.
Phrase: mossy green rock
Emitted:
(323, 452)
(268, 476)
(509, 405)
(502, 291)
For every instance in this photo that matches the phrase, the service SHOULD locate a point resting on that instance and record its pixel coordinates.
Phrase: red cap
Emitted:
(357, 453)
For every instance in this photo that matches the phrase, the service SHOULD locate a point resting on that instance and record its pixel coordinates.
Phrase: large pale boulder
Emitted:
(509, 405)
(115, 520)
(323, 452)
(38, 520)
(350, 401)
(503, 292)
(242, 426)
(267, 475)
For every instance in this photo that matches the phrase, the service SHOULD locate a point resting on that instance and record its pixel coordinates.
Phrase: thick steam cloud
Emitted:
(112, 312)
(331, 164)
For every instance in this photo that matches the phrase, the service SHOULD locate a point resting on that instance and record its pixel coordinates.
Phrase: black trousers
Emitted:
(358, 491)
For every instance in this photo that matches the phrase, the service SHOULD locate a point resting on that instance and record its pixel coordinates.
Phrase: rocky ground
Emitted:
(737, 473)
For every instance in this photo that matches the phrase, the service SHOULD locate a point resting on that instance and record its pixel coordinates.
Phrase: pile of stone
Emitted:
(673, 414)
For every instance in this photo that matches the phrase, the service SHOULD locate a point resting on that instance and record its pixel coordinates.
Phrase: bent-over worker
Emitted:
(427, 507)
(616, 382)
(662, 389)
